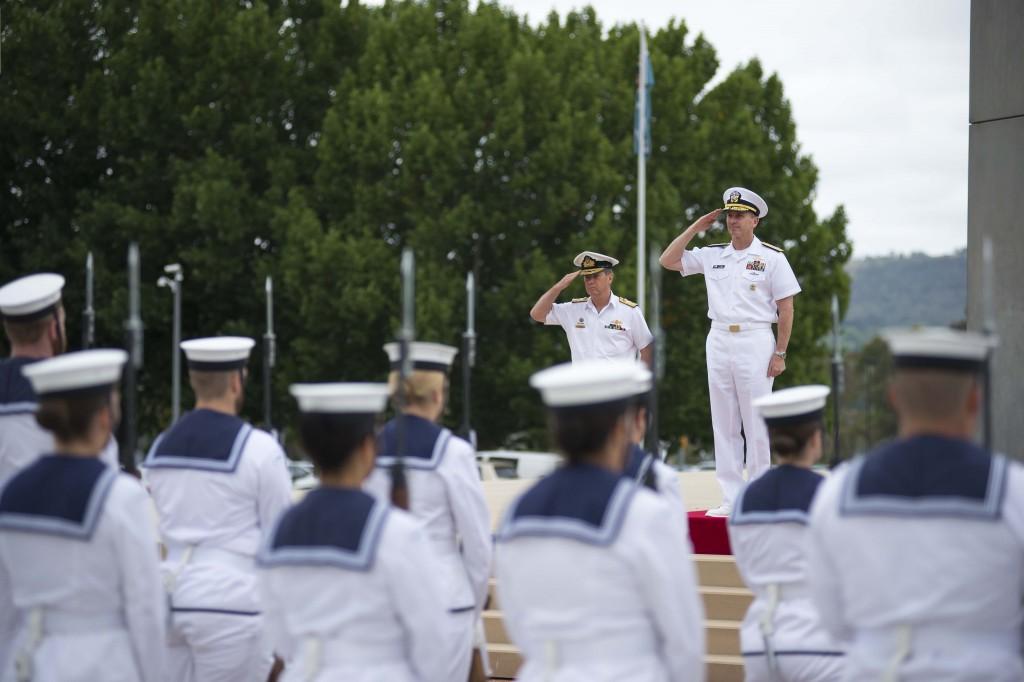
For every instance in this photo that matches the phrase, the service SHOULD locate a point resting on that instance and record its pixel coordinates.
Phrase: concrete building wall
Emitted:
(996, 203)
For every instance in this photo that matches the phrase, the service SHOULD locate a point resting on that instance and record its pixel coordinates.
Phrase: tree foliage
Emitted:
(312, 142)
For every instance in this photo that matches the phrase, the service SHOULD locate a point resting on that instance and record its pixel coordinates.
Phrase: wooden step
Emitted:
(725, 603)
(723, 637)
(505, 660)
(724, 668)
(717, 570)
(505, 663)
(494, 628)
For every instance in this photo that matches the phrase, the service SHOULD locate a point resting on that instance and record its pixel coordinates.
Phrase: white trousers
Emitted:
(462, 631)
(794, 668)
(737, 374)
(212, 647)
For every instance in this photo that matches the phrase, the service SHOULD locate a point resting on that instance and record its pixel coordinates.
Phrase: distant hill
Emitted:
(891, 291)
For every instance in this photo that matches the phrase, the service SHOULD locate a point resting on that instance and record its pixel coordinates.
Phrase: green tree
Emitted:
(313, 142)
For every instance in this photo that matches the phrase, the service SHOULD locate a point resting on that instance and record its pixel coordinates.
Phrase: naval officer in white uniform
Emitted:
(352, 589)
(595, 580)
(33, 317)
(218, 484)
(600, 325)
(750, 286)
(445, 492)
(782, 638)
(76, 545)
(917, 549)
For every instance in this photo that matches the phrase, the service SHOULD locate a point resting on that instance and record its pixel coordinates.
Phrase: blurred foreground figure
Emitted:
(351, 587)
(917, 550)
(77, 548)
(596, 580)
(782, 638)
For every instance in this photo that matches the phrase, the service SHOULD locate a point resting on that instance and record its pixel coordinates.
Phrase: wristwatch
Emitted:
(781, 354)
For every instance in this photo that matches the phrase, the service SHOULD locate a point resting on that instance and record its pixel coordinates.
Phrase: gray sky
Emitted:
(879, 90)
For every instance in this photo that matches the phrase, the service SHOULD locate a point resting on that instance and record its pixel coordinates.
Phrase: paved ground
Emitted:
(700, 491)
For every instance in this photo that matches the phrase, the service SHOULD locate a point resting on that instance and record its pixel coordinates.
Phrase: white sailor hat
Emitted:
(81, 372)
(217, 353)
(590, 382)
(938, 348)
(742, 199)
(340, 398)
(793, 405)
(425, 356)
(590, 262)
(30, 298)
(643, 380)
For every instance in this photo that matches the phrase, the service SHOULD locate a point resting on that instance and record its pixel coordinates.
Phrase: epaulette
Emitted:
(580, 300)
(718, 246)
(626, 301)
(773, 247)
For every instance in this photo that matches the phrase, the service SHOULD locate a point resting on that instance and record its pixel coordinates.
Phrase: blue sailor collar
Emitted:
(425, 443)
(638, 463)
(926, 476)
(16, 394)
(338, 527)
(577, 502)
(782, 495)
(202, 439)
(57, 495)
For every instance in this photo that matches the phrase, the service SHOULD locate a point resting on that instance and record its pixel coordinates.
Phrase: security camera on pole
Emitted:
(172, 280)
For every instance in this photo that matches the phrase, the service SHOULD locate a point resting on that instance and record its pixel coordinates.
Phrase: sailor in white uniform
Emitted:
(218, 485)
(33, 317)
(76, 545)
(445, 492)
(750, 286)
(352, 589)
(917, 549)
(782, 638)
(643, 466)
(600, 324)
(595, 580)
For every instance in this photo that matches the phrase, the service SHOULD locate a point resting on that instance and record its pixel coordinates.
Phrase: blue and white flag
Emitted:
(644, 86)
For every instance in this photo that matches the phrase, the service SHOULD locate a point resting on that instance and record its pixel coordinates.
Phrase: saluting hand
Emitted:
(776, 367)
(567, 280)
(705, 221)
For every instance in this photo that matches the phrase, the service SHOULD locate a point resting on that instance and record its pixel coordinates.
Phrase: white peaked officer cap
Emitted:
(793, 405)
(340, 398)
(79, 373)
(217, 353)
(426, 357)
(591, 382)
(590, 262)
(938, 348)
(742, 199)
(30, 298)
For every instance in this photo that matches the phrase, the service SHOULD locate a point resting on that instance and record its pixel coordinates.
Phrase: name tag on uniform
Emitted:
(580, 324)
(720, 266)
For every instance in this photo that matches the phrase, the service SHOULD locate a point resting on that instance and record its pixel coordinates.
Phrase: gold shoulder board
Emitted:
(580, 300)
(773, 247)
(623, 299)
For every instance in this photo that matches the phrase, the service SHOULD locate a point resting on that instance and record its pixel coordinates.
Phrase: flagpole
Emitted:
(641, 174)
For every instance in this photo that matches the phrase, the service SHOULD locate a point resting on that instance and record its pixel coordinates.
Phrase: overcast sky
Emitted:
(878, 90)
